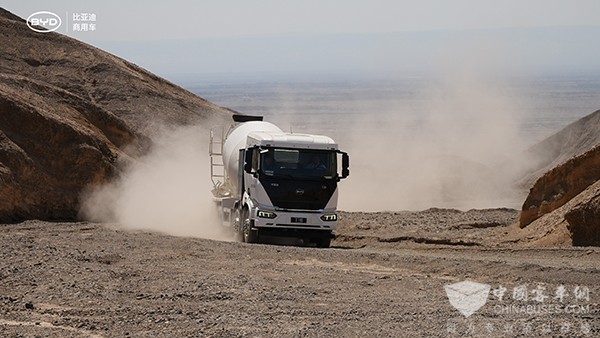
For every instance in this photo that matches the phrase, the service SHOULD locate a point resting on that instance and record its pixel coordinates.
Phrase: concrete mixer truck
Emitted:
(270, 183)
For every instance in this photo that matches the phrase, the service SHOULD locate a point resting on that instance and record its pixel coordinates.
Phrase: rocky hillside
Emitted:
(69, 112)
(563, 207)
(574, 223)
(561, 184)
(563, 178)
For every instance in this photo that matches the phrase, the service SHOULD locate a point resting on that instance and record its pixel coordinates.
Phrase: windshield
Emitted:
(298, 163)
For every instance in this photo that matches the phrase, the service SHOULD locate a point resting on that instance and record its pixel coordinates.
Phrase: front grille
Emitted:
(285, 193)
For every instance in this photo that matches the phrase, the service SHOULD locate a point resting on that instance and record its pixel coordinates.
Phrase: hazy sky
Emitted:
(180, 38)
(185, 19)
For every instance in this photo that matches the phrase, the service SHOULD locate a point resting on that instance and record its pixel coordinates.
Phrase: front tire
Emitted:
(249, 235)
(324, 241)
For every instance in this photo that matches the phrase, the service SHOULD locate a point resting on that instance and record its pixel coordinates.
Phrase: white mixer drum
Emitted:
(235, 141)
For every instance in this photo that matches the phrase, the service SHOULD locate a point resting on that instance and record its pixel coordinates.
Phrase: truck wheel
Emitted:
(324, 241)
(249, 235)
(237, 226)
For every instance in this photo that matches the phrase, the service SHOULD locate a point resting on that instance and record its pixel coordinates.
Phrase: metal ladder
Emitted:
(215, 150)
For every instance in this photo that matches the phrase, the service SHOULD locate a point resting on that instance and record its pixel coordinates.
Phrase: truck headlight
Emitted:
(266, 214)
(329, 218)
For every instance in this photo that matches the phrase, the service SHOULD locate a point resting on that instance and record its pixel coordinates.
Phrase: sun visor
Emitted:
(246, 118)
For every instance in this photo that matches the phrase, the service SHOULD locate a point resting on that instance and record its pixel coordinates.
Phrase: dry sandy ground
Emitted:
(383, 278)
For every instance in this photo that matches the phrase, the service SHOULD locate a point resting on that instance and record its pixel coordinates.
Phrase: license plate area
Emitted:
(298, 219)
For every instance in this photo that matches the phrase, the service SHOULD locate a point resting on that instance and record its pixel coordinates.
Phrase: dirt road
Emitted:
(88, 279)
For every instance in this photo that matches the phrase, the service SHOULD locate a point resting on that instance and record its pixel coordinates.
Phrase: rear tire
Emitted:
(237, 226)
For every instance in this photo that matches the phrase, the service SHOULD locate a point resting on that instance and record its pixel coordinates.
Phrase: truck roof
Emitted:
(291, 140)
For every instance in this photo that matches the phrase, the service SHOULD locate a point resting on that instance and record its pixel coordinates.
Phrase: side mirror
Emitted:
(345, 165)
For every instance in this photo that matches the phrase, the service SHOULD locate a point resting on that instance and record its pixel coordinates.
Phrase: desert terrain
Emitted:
(83, 279)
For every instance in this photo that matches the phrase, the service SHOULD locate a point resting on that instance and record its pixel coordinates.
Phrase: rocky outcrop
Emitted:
(70, 113)
(584, 222)
(571, 224)
(561, 184)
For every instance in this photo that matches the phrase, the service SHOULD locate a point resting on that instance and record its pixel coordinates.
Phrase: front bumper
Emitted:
(294, 220)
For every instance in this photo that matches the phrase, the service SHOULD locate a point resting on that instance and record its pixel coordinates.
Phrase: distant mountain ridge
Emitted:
(538, 50)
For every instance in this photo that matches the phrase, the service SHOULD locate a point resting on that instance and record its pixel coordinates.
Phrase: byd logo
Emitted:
(50, 21)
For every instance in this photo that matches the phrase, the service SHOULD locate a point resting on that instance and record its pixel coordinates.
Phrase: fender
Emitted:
(247, 202)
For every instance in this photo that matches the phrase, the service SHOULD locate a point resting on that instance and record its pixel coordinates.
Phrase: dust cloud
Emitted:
(167, 190)
(460, 147)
